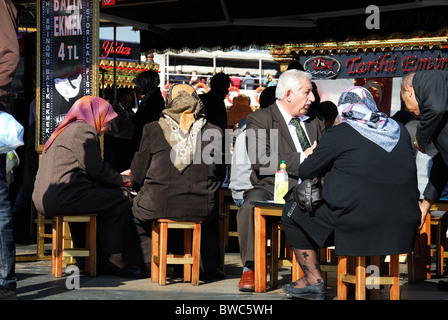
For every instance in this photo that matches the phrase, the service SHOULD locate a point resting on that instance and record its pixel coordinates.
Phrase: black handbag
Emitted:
(308, 194)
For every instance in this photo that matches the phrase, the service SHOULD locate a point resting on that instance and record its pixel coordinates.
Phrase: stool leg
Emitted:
(91, 245)
(53, 244)
(163, 244)
(196, 253)
(394, 272)
(439, 249)
(360, 291)
(187, 253)
(342, 270)
(58, 252)
(155, 234)
(375, 291)
(273, 270)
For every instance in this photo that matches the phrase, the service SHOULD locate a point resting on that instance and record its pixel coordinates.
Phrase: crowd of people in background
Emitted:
(246, 82)
(151, 151)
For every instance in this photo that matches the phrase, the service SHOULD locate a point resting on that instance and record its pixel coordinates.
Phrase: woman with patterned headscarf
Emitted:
(370, 192)
(72, 179)
(176, 174)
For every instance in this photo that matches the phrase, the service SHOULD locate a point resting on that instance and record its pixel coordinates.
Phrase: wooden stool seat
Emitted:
(360, 280)
(59, 250)
(192, 248)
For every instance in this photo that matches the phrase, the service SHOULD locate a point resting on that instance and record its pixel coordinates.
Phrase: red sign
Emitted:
(123, 50)
(108, 3)
(376, 65)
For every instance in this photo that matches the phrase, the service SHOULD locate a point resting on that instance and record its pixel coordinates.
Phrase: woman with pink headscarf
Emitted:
(73, 179)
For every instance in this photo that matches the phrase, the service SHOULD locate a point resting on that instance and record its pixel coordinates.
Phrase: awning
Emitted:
(126, 72)
(175, 25)
(235, 24)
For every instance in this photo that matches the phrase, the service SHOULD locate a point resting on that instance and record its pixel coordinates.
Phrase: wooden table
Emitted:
(263, 210)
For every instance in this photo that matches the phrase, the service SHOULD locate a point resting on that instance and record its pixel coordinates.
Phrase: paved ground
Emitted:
(104, 296)
(36, 283)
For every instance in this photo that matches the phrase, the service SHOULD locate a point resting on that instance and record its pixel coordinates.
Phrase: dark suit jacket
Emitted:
(431, 91)
(269, 142)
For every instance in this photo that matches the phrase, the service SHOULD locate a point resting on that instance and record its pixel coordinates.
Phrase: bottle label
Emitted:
(281, 188)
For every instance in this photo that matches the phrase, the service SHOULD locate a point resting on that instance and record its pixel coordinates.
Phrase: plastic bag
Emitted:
(11, 133)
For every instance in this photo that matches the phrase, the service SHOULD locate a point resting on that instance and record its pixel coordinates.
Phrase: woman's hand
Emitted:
(311, 149)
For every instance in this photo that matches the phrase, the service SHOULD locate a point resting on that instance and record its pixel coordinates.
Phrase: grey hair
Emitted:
(407, 80)
(290, 80)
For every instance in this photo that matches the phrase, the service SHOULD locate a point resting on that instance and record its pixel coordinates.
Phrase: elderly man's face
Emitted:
(301, 101)
(409, 99)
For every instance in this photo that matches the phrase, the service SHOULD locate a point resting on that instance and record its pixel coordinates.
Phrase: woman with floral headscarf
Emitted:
(72, 178)
(176, 173)
(370, 192)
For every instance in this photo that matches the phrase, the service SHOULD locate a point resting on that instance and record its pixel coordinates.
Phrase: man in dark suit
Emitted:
(425, 94)
(272, 136)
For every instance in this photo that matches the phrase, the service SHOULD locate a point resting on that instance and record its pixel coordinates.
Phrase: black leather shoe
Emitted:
(212, 275)
(127, 272)
(314, 292)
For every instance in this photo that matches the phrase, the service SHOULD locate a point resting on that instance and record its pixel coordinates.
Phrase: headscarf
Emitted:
(92, 110)
(180, 123)
(358, 108)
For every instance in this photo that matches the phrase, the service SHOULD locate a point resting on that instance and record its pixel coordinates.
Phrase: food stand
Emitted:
(378, 65)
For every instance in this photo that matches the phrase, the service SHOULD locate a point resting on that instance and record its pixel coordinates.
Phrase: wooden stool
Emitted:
(360, 281)
(60, 251)
(160, 258)
(439, 221)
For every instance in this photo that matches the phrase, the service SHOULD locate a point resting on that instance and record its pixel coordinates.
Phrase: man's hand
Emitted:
(424, 208)
(422, 150)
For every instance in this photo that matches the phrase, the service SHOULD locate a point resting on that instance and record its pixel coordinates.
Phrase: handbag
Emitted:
(11, 133)
(308, 194)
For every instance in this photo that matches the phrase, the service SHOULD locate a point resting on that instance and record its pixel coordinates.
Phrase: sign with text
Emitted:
(374, 64)
(68, 59)
(123, 50)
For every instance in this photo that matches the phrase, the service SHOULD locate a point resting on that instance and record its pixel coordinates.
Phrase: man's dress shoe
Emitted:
(247, 282)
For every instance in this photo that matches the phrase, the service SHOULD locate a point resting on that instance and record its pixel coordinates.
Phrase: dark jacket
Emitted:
(270, 120)
(165, 192)
(431, 91)
(371, 196)
(72, 177)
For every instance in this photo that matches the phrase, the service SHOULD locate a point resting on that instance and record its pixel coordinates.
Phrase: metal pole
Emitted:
(114, 101)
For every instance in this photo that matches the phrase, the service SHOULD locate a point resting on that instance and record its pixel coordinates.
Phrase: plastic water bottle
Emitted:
(281, 183)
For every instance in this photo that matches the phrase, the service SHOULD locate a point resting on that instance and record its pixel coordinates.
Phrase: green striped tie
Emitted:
(301, 134)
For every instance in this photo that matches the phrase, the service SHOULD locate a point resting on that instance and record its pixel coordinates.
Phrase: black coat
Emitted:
(371, 195)
(163, 191)
(431, 91)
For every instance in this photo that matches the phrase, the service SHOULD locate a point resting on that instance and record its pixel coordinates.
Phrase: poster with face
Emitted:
(66, 59)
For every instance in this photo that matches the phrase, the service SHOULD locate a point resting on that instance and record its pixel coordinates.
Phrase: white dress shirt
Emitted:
(292, 130)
